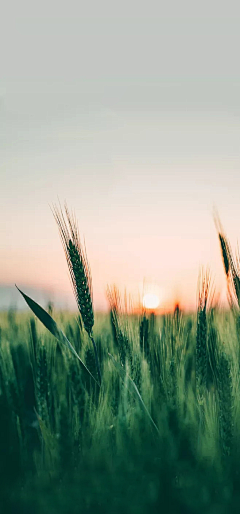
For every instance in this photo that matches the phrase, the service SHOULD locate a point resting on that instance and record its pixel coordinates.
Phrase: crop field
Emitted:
(121, 412)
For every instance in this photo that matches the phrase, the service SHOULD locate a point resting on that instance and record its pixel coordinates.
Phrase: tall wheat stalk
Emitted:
(79, 271)
(231, 267)
(232, 271)
(201, 342)
(120, 337)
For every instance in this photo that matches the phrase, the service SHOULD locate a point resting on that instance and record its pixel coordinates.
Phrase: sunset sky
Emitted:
(131, 113)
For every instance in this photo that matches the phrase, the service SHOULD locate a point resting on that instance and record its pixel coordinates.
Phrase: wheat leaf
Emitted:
(51, 325)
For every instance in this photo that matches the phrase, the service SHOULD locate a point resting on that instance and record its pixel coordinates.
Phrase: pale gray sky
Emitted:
(130, 112)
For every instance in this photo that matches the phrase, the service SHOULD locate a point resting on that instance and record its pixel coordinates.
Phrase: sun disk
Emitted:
(151, 301)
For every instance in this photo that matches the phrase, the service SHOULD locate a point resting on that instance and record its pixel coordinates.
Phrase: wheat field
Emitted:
(121, 412)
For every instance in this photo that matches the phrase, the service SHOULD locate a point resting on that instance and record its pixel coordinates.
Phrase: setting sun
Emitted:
(151, 301)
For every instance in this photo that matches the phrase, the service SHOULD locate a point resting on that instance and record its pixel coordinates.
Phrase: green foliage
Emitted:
(139, 433)
(225, 404)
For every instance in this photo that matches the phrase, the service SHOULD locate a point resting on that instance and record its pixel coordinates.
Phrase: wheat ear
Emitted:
(79, 271)
(201, 342)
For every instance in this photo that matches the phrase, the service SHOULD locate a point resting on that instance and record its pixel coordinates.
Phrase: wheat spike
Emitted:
(231, 269)
(201, 343)
(79, 270)
(78, 266)
(120, 338)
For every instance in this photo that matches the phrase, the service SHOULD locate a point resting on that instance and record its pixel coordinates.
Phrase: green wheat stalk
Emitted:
(79, 271)
(201, 342)
(120, 338)
(232, 270)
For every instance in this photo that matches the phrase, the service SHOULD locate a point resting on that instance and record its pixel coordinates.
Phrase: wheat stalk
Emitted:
(231, 268)
(79, 271)
(120, 338)
(201, 343)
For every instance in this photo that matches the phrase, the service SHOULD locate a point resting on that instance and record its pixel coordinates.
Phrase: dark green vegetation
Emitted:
(68, 445)
(121, 413)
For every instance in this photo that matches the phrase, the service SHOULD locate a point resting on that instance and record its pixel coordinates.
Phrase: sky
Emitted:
(129, 112)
